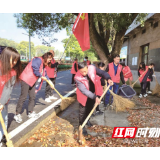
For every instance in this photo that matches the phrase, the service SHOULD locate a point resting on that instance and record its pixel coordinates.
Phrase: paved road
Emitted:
(63, 85)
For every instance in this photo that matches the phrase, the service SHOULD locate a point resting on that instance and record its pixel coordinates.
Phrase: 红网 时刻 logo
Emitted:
(134, 132)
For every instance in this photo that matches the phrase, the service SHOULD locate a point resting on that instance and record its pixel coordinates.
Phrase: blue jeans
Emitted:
(5, 118)
(115, 89)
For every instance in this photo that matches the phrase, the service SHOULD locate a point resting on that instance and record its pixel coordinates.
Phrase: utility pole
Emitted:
(29, 44)
(29, 47)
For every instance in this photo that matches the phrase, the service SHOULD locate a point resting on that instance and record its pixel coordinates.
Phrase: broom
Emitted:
(80, 135)
(138, 79)
(120, 103)
(66, 101)
(156, 90)
(9, 142)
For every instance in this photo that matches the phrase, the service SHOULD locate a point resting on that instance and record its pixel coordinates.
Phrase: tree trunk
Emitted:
(97, 42)
(118, 42)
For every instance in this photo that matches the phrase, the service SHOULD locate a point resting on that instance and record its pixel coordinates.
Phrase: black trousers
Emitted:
(73, 79)
(85, 110)
(49, 90)
(143, 88)
(148, 86)
(25, 90)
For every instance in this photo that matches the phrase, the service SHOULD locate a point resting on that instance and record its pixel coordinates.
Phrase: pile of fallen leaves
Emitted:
(60, 133)
(145, 118)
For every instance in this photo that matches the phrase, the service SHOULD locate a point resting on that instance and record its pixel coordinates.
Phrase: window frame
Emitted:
(145, 54)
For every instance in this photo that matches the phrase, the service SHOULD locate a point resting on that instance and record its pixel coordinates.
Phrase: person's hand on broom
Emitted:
(44, 78)
(59, 62)
(110, 82)
(98, 100)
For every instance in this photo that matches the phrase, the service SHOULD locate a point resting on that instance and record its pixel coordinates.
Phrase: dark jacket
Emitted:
(75, 67)
(148, 75)
(102, 82)
(90, 93)
(36, 63)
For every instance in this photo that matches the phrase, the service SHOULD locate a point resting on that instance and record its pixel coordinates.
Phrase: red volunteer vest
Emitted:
(28, 76)
(72, 69)
(51, 71)
(141, 72)
(4, 80)
(126, 70)
(115, 78)
(82, 99)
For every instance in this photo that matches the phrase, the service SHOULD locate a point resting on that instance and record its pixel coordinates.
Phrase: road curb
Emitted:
(30, 133)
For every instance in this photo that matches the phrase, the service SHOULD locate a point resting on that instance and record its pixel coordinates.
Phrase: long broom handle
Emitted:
(84, 123)
(139, 78)
(4, 127)
(51, 84)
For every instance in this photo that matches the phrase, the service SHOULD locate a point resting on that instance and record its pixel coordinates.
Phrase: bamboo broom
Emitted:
(156, 90)
(9, 142)
(66, 101)
(120, 103)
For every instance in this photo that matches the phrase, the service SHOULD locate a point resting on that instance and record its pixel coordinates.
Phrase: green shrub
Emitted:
(63, 66)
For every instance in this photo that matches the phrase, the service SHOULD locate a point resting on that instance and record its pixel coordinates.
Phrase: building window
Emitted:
(155, 25)
(134, 36)
(143, 31)
(145, 52)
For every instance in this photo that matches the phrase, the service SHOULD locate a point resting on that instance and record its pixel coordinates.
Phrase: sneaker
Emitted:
(111, 106)
(52, 97)
(102, 102)
(145, 95)
(89, 124)
(33, 115)
(99, 112)
(140, 96)
(48, 100)
(18, 118)
(149, 92)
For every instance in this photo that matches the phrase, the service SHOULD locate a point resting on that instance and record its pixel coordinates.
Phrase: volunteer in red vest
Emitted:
(101, 66)
(114, 69)
(34, 71)
(86, 60)
(88, 89)
(10, 69)
(127, 73)
(144, 74)
(74, 70)
(52, 74)
(151, 78)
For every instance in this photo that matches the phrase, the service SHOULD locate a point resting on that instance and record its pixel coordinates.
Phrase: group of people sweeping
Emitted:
(88, 79)
(39, 69)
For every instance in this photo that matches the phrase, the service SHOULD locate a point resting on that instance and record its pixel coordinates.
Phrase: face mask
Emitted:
(85, 60)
